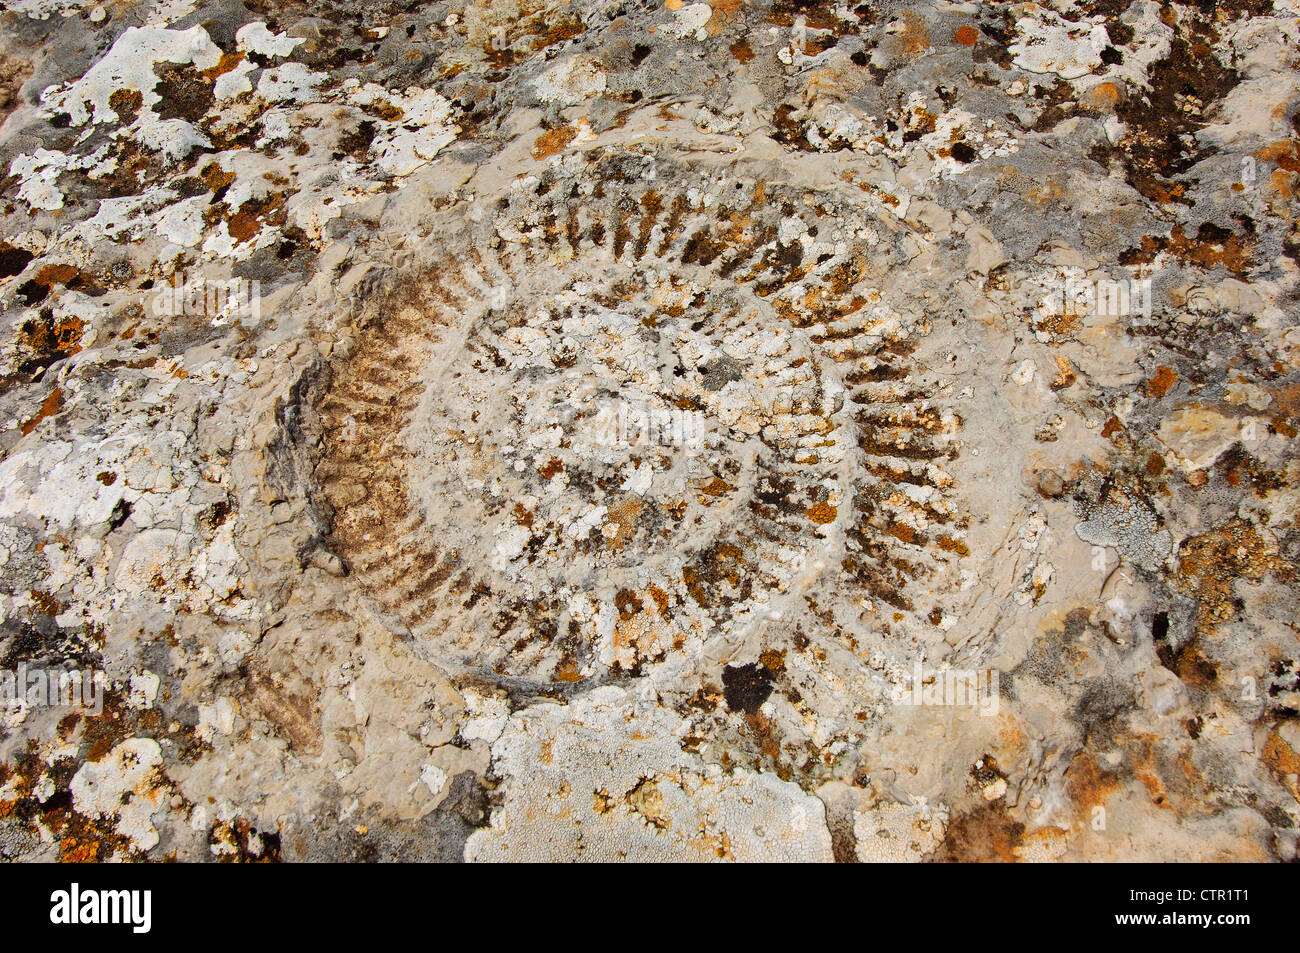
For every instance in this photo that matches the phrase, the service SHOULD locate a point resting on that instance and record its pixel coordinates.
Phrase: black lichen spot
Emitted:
(33, 292)
(746, 687)
(962, 152)
(13, 261)
(357, 143)
(121, 513)
(1160, 626)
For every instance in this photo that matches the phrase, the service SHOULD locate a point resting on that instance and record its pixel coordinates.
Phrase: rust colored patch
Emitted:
(717, 487)
(1065, 376)
(126, 103)
(215, 177)
(51, 406)
(902, 531)
(724, 13)
(552, 142)
(623, 516)
(1209, 564)
(661, 600)
(1212, 247)
(1282, 153)
(51, 275)
(986, 834)
(1280, 756)
(243, 226)
(45, 603)
(967, 35)
(564, 29)
(553, 467)
(224, 65)
(1112, 427)
(821, 513)
(950, 545)
(252, 215)
(773, 661)
(1159, 385)
(1155, 465)
(1102, 98)
(627, 603)
(741, 52)
(567, 671)
(1087, 785)
(42, 341)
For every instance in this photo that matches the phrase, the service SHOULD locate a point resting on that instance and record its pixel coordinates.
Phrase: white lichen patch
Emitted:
(604, 780)
(126, 786)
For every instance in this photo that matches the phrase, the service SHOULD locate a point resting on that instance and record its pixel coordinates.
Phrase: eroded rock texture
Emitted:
(561, 430)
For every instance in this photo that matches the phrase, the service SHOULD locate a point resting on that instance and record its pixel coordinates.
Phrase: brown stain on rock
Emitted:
(741, 51)
(988, 834)
(553, 142)
(1209, 564)
(292, 715)
(1087, 785)
(1282, 758)
(1212, 247)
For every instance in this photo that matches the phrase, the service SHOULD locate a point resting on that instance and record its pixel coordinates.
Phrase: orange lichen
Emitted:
(1211, 563)
(773, 661)
(1065, 376)
(821, 513)
(1087, 785)
(661, 599)
(622, 516)
(1164, 379)
(717, 487)
(1282, 758)
(1102, 98)
(225, 64)
(1212, 247)
(948, 544)
(553, 141)
(49, 407)
(741, 52)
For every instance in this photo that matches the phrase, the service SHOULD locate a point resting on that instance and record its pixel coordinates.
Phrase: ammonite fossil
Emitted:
(610, 429)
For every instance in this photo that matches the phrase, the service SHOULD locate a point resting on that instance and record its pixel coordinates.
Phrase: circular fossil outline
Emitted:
(882, 521)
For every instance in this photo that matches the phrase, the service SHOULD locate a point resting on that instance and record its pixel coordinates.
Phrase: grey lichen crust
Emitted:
(613, 431)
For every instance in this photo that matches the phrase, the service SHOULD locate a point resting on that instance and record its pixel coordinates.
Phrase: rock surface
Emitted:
(701, 431)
